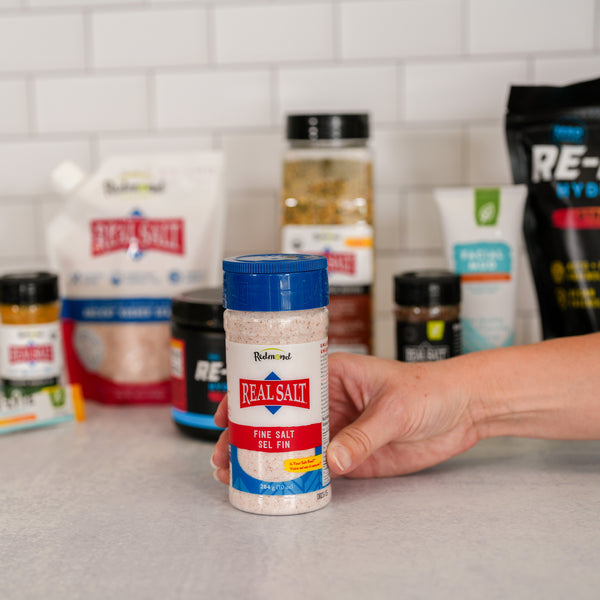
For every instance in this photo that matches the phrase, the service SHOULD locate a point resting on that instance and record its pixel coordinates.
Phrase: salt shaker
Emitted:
(276, 322)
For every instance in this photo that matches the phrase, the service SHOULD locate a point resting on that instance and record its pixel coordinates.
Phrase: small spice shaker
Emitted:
(198, 372)
(30, 348)
(427, 315)
(327, 208)
(276, 322)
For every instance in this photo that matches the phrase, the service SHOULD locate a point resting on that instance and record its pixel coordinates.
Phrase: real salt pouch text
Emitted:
(553, 136)
(131, 236)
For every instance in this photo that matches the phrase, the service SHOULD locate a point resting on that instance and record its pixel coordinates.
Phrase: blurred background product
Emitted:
(198, 372)
(554, 142)
(327, 209)
(41, 408)
(30, 347)
(482, 234)
(427, 315)
(138, 231)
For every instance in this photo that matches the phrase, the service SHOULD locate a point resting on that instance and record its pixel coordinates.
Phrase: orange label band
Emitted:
(482, 277)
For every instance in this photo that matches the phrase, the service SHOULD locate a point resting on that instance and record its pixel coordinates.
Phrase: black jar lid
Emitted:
(33, 287)
(315, 127)
(428, 287)
(202, 307)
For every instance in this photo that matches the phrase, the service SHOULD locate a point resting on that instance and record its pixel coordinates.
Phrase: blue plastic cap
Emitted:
(275, 282)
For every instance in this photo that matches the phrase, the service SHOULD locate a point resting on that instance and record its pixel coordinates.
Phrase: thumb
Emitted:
(353, 445)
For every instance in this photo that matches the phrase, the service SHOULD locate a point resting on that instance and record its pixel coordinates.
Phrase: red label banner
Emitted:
(275, 439)
(111, 235)
(341, 262)
(43, 353)
(584, 217)
(293, 392)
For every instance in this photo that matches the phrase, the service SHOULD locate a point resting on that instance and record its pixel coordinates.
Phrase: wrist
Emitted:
(515, 392)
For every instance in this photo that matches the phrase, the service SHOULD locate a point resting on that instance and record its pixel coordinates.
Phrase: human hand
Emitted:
(386, 418)
(391, 418)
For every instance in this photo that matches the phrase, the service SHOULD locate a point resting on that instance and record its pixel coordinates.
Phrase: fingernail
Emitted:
(212, 463)
(215, 476)
(341, 457)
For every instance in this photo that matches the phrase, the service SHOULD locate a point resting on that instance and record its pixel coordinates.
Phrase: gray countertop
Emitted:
(124, 506)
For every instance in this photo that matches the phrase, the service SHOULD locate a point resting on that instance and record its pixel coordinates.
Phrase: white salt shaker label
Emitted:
(278, 417)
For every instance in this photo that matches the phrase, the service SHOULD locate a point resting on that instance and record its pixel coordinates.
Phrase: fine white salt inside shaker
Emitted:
(277, 382)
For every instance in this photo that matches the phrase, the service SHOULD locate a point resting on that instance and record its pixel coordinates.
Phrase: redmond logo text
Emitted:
(141, 184)
(272, 354)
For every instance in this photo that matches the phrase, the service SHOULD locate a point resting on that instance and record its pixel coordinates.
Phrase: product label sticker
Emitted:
(483, 261)
(278, 417)
(348, 249)
(30, 352)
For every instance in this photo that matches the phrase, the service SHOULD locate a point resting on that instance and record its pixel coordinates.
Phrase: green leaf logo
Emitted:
(57, 396)
(487, 206)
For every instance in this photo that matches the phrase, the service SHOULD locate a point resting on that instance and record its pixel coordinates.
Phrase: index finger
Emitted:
(221, 419)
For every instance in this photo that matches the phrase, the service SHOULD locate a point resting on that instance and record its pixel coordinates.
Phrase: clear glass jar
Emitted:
(327, 209)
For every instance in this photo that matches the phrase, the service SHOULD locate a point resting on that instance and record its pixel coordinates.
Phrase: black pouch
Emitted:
(553, 136)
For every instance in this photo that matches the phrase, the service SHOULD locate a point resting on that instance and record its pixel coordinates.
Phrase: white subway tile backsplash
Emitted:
(252, 223)
(86, 79)
(41, 42)
(487, 156)
(26, 165)
(372, 89)
(424, 231)
(418, 157)
(14, 116)
(463, 90)
(81, 3)
(384, 328)
(47, 208)
(213, 99)
(387, 266)
(150, 38)
(528, 329)
(562, 71)
(526, 294)
(404, 28)
(151, 144)
(91, 104)
(514, 26)
(253, 161)
(18, 265)
(273, 33)
(17, 230)
(390, 220)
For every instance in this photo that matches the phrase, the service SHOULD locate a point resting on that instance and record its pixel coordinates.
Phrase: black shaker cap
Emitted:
(34, 287)
(313, 127)
(428, 287)
(202, 307)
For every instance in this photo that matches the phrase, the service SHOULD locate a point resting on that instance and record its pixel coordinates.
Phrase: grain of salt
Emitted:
(277, 382)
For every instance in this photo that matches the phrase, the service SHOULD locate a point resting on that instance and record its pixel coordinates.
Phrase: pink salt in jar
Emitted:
(276, 323)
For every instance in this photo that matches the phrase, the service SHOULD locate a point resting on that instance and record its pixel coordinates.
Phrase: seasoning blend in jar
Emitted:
(277, 382)
(30, 348)
(198, 373)
(327, 209)
(427, 315)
